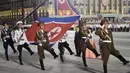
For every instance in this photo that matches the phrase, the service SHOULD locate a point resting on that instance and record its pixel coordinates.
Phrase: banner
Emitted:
(56, 28)
(64, 8)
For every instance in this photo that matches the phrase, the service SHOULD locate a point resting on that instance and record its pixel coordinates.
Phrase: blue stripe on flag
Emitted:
(63, 19)
(51, 44)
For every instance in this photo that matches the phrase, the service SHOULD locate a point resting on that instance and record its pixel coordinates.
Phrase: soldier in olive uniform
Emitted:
(85, 42)
(42, 40)
(107, 45)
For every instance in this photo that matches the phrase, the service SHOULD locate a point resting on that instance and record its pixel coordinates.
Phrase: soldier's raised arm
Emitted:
(101, 34)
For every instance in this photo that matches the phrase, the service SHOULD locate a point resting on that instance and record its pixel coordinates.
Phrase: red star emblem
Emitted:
(53, 33)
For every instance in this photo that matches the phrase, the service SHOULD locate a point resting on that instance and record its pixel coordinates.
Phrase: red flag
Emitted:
(55, 31)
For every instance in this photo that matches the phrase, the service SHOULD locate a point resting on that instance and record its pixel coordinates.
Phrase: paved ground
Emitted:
(72, 64)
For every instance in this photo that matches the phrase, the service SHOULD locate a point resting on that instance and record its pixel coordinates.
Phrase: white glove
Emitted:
(44, 40)
(87, 39)
(4, 40)
(7, 36)
(103, 26)
(40, 44)
(89, 35)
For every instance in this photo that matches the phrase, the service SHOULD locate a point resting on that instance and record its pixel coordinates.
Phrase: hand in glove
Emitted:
(87, 39)
(89, 35)
(7, 36)
(44, 40)
(102, 26)
(40, 44)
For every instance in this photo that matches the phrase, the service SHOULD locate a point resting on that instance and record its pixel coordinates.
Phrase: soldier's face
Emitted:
(41, 26)
(6, 26)
(19, 25)
(77, 29)
(106, 25)
(84, 27)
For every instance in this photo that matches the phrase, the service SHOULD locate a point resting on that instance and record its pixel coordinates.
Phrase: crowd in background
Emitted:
(113, 27)
(126, 18)
(94, 23)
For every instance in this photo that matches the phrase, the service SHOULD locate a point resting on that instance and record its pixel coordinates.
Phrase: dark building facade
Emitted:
(13, 10)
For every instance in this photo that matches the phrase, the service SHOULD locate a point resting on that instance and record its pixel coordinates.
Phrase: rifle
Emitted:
(27, 15)
(25, 18)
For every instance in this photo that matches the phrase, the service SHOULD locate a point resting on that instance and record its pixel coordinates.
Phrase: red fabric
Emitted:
(55, 31)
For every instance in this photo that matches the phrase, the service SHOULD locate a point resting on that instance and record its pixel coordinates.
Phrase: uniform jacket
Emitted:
(104, 35)
(85, 35)
(77, 37)
(41, 38)
(63, 38)
(6, 36)
(20, 37)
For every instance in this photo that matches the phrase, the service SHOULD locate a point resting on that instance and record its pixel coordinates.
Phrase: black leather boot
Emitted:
(53, 53)
(7, 57)
(96, 53)
(105, 68)
(84, 61)
(42, 65)
(20, 60)
(122, 59)
(31, 53)
(71, 53)
(61, 58)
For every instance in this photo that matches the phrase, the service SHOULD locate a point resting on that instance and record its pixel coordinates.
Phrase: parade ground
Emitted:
(72, 63)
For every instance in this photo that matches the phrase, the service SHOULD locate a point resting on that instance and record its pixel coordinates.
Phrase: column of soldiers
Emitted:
(81, 40)
(106, 43)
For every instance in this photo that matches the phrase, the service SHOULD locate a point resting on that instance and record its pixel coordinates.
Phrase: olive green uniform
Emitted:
(107, 47)
(86, 44)
(42, 40)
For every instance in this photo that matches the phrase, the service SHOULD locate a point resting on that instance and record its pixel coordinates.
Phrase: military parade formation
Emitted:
(39, 25)
(82, 42)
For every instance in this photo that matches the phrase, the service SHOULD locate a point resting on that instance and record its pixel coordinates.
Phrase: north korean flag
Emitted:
(56, 28)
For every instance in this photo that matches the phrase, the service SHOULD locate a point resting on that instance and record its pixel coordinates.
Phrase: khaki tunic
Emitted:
(84, 42)
(106, 48)
(39, 39)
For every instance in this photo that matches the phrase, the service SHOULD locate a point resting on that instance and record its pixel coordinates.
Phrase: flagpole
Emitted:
(27, 15)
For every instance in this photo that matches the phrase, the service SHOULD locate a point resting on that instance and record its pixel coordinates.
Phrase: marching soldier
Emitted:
(85, 43)
(77, 43)
(7, 40)
(107, 45)
(21, 40)
(63, 44)
(42, 41)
